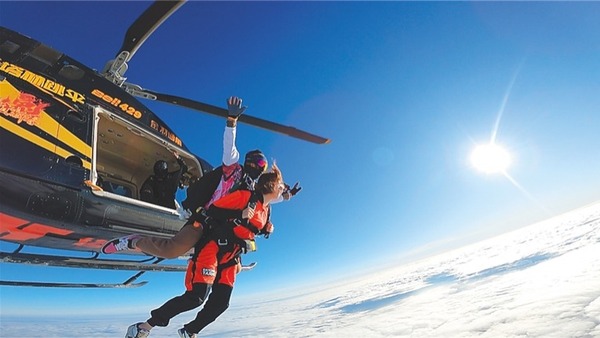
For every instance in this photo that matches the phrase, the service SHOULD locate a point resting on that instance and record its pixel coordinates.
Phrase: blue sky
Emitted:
(405, 90)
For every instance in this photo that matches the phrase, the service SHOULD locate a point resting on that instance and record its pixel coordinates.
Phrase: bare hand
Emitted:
(248, 213)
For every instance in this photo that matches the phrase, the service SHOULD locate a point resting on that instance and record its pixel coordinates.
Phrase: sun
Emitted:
(490, 158)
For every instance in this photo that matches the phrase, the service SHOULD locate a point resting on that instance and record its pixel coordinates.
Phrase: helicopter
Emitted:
(77, 144)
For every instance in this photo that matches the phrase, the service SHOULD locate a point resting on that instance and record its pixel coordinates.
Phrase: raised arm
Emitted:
(230, 152)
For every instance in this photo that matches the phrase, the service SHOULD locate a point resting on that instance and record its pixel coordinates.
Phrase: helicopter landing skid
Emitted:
(79, 262)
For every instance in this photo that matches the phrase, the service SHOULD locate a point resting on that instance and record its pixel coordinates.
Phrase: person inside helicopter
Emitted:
(160, 187)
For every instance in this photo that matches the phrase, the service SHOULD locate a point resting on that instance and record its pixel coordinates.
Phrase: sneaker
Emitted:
(134, 331)
(184, 334)
(124, 243)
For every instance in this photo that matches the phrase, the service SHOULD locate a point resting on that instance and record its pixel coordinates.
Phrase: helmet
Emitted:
(255, 163)
(161, 168)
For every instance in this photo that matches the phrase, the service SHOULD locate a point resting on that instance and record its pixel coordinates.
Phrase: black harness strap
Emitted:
(222, 232)
(252, 201)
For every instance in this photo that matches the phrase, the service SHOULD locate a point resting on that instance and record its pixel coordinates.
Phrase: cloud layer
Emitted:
(539, 281)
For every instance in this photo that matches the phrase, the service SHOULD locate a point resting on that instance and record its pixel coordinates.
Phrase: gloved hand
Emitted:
(234, 107)
(290, 192)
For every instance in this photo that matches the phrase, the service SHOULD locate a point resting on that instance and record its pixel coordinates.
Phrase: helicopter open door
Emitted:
(124, 155)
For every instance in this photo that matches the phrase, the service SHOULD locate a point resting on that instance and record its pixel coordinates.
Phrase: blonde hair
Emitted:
(269, 182)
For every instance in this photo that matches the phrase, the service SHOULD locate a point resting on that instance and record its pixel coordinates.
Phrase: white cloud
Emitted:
(540, 281)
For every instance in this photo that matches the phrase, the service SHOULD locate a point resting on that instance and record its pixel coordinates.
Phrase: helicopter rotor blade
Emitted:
(247, 119)
(136, 35)
(146, 24)
(138, 32)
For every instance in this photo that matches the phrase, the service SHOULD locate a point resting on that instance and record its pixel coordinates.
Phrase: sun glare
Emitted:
(490, 158)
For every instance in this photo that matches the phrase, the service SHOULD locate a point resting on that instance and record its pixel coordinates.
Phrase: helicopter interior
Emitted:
(125, 155)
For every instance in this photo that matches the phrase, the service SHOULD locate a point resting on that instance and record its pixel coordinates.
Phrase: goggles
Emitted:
(262, 163)
(259, 164)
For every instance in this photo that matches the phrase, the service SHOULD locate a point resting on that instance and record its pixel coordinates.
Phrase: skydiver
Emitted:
(234, 220)
(228, 177)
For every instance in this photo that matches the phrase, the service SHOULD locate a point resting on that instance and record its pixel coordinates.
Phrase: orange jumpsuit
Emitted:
(213, 269)
(216, 258)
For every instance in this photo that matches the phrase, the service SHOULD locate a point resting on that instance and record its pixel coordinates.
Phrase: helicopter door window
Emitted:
(115, 188)
(120, 190)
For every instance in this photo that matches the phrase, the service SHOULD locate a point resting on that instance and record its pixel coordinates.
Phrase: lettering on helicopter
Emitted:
(117, 102)
(41, 82)
(132, 111)
(166, 132)
(28, 108)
